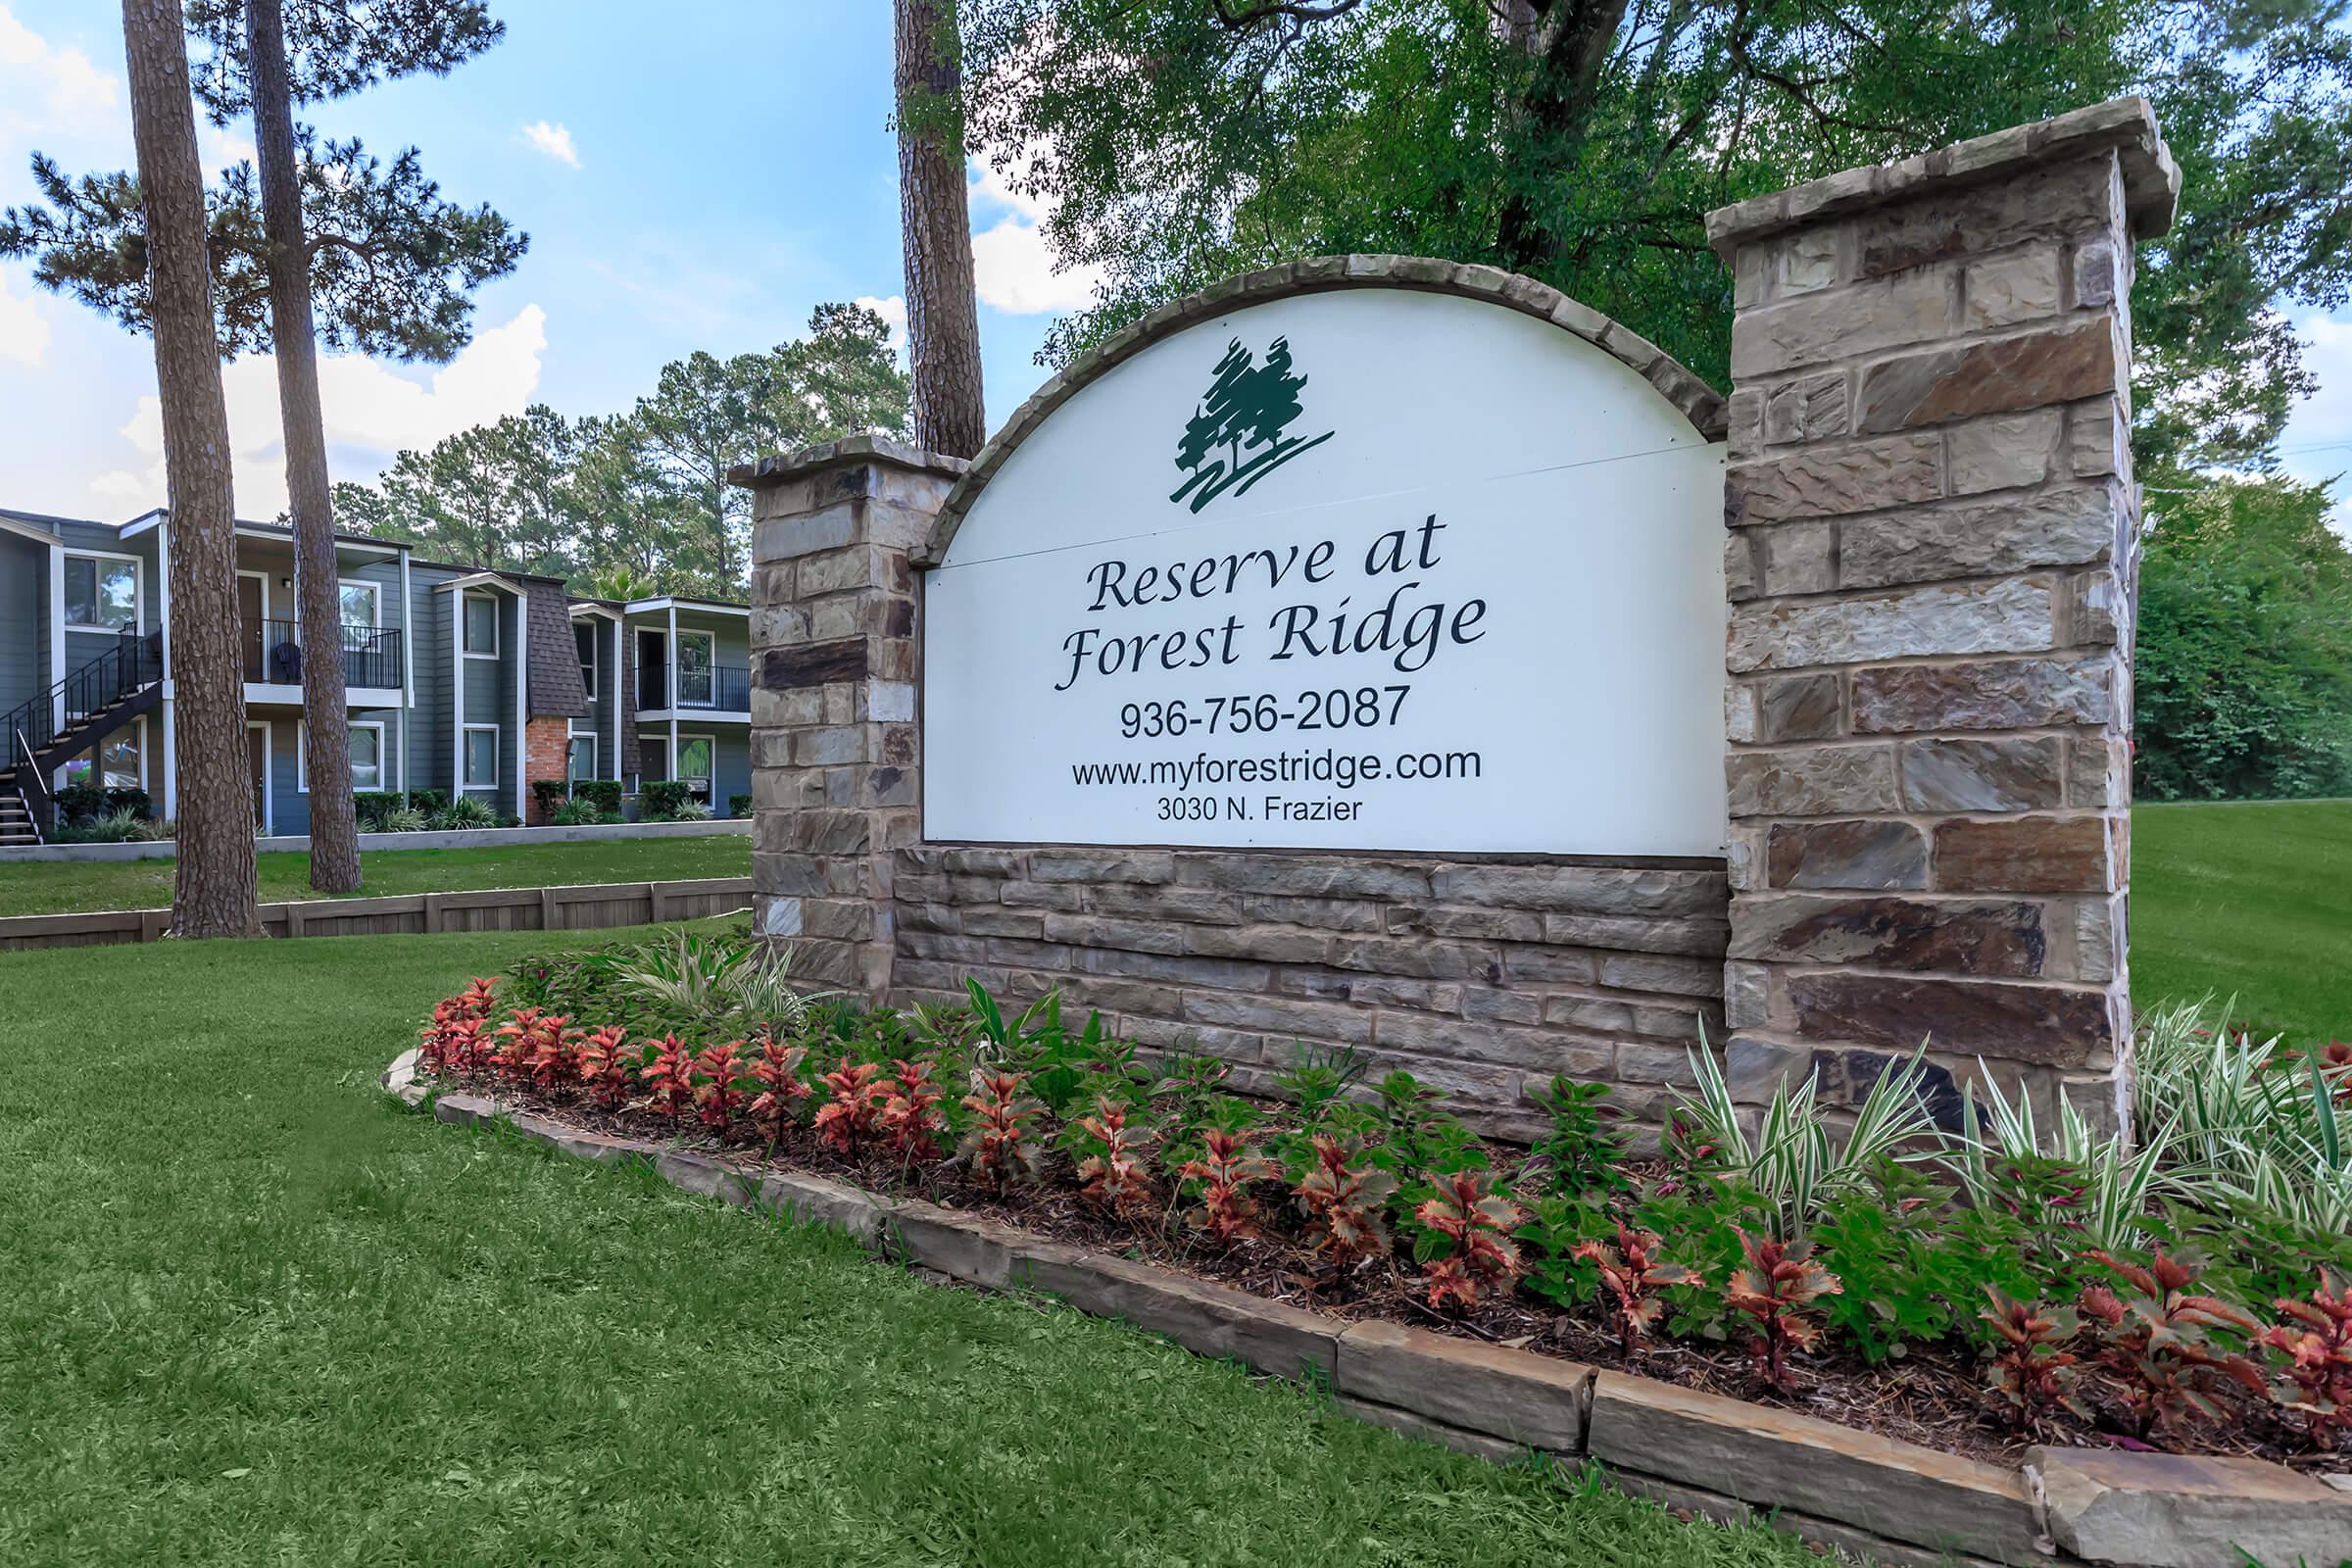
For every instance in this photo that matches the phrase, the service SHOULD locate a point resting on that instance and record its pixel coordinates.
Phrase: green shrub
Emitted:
(576, 813)
(549, 793)
(106, 827)
(372, 807)
(132, 801)
(465, 811)
(739, 805)
(80, 803)
(602, 792)
(661, 801)
(428, 800)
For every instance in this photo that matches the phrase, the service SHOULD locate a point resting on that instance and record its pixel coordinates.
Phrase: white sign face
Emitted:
(1371, 568)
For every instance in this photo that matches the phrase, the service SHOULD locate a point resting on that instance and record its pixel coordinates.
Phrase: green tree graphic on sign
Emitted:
(1235, 437)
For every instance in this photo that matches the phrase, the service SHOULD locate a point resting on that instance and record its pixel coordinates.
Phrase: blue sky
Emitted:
(698, 184)
(702, 184)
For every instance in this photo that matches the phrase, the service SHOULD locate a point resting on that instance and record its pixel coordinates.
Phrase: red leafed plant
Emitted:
(1346, 1205)
(776, 1069)
(2156, 1340)
(717, 1069)
(519, 1043)
(1632, 1271)
(1476, 1226)
(852, 1117)
(1779, 1282)
(538, 1047)
(1225, 1169)
(911, 1122)
(999, 1150)
(1114, 1176)
(607, 1066)
(445, 1047)
(669, 1078)
(2033, 1375)
(2317, 1340)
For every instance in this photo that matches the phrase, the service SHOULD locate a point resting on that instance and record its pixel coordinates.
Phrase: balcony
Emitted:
(704, 688)
(372, 656)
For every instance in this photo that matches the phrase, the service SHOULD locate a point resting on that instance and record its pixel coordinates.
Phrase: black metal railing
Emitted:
(722, 688)
(273, 653)
(34, 728)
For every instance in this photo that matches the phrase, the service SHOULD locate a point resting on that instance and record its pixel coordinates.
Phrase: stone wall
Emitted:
(1931, 555)
(1482, 978)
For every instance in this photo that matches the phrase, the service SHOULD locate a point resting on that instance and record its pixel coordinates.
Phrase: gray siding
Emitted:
(23, 620)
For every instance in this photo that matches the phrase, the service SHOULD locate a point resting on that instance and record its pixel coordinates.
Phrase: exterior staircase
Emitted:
(69, 718)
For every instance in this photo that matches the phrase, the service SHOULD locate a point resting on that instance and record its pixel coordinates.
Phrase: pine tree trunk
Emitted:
(943, 320)
(212, 892)
(318, 598)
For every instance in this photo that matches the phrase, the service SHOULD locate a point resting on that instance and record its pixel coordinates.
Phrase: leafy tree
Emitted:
(639, 496)
(1582, 141)
(2246, 644)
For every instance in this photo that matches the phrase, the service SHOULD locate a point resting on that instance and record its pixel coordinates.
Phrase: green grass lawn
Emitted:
(55, 887)
(255, 1311)
(2254, 900)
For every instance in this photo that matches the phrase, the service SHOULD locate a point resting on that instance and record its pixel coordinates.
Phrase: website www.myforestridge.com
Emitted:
(1340, 770)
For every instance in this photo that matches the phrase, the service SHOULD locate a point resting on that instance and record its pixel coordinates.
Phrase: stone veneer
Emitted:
(1482, 978)
(1932, 563)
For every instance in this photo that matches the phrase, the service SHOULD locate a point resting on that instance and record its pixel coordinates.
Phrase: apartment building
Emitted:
(458, 679)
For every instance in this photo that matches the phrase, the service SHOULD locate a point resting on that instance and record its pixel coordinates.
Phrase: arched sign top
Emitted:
(1699, 404)
(1371, 553)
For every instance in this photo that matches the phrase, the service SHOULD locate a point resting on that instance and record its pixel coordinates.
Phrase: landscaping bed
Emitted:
(1976, 1296)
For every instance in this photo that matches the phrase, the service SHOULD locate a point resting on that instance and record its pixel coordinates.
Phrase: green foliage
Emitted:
(2244, 659)
(369, 807)
(661, 800)
(549, 793)
(464, 811)
(739, 805)
(1583, 145)
(602, 792)
(1581, 1153)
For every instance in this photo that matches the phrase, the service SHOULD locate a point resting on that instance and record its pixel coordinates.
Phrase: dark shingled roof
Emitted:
(555, 687)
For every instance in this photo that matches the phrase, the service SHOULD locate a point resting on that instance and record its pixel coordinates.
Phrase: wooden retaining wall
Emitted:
(581, 906)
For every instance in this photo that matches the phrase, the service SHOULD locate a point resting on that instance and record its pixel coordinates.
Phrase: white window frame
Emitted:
(301, 755)
(465, 599)
(710, 665)
(571, 738)
(466, 756)
(269, 782)
(138, 591)
(712, 779)
(375, 602)
(595, 659)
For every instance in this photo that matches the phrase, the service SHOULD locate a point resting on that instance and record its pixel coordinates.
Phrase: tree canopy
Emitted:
(2244, 666)
(1582, 141)
(641, 499)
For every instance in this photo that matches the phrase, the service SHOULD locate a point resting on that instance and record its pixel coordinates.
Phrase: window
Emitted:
(580, 758)
(694, 755)
(366, 757)
(102, 593)
(360, 604)
(119, 758)
(481, 757)
(693, 669)
(583, 636)
(482, 625)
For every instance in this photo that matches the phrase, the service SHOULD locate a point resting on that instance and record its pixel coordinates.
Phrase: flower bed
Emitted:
(1973, 1296)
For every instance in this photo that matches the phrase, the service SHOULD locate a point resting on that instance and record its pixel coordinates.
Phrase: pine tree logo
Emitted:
(1235, 437)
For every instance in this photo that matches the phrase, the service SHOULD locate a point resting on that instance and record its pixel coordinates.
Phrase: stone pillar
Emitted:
(1932, 563)
(836, 772)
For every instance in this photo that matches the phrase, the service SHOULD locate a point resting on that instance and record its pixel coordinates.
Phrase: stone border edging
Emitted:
(568, 906)
(470, 838)
(1832, 1485)
(1699, 403)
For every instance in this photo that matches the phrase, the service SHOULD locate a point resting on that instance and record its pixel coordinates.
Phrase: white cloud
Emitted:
(23, 329)
(220, 148)
(368, 408)
(554, 140)
(1013, 268)
(892, 311)
(46, 90)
